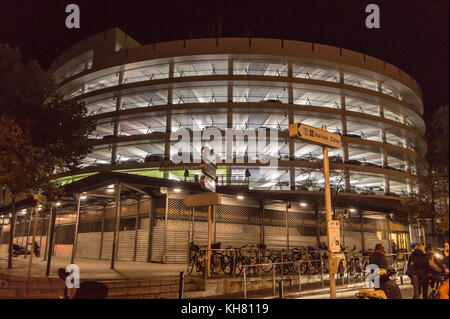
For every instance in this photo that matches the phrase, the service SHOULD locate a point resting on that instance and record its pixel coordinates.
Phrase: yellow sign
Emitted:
(334, 237)
(203, 199)
(315, 135)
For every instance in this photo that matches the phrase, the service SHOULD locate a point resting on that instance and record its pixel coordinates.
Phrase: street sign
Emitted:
(205, 199)
(208, 184)
(334, 236)
(209, 170)
(40, 198)
(315, 135)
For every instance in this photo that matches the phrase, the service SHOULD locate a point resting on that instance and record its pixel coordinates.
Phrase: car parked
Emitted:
(153, 158)
(352, 162)
(351, 135)
(271, 101)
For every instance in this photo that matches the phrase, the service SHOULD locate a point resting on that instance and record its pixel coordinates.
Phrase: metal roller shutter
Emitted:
(125, 247)
(88, 245)
(107, 245)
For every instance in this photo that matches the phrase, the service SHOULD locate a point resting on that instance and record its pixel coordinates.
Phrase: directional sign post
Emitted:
(208, 183)
(325, 139)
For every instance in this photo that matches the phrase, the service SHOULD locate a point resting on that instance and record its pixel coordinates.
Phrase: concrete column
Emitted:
(230, 118)
(383, 135)
(230, 83)
(171, 69)
(116, 131)
(102, 230)
(379, 87)
(290, 88)
(116, 225)
(341, 77)
(405, 143)
(151, 222)
(386, 185)
(136, 227)
(168, 131)
(291, 155)
(166, 213)
(380, 110)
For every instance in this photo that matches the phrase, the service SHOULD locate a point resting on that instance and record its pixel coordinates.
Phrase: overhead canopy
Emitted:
(152, 186)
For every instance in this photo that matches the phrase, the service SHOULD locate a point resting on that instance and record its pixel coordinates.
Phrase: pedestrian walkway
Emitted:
(92, 268)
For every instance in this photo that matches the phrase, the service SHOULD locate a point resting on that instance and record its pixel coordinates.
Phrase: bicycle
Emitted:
(435, 285)
(197, 258)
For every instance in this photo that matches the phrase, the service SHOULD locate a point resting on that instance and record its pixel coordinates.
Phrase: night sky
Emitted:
(413, 34)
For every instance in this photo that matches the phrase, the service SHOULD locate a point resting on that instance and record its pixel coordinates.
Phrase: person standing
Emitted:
(417, 270)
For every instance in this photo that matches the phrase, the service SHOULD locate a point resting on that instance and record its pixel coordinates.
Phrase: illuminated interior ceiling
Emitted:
(247, 92)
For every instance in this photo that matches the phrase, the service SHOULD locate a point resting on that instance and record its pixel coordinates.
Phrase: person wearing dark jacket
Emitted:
(418, 272)
(378, 257)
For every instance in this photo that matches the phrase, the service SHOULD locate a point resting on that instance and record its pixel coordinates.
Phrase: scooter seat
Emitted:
(371, 294)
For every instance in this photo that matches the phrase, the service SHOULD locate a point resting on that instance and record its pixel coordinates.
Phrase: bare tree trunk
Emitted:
(12, 229)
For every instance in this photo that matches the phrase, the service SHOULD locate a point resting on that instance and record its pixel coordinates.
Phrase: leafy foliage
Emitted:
(41, 132)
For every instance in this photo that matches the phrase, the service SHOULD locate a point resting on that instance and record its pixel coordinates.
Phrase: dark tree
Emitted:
(41, 132)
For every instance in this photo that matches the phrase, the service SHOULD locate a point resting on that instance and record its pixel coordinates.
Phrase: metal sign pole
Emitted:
(30, 261)
(326, 168)
(208, 251)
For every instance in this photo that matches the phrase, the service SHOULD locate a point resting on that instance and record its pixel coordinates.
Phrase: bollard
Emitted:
(245, 283)
(181, 285)
(280, 288)
(273, 277)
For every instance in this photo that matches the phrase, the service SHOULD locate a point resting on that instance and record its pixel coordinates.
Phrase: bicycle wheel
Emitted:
(268, 260)
(227, 264)
(351, 274)
(434, 294)
(191, 265)
(215, 264)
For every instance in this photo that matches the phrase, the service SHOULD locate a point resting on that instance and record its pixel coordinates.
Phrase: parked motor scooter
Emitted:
(36, 249)
(388, 288)
(19, 250)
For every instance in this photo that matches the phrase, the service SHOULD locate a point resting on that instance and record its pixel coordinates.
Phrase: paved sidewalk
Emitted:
(92, 268)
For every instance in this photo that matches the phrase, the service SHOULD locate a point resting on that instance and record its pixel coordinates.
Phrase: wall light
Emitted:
(83, 197)
(240, 197)
(303, 204)
(352, 210)
(58, 203)
(177, 190)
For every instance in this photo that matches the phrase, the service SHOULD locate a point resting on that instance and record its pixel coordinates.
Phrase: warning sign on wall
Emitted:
(334, 236)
